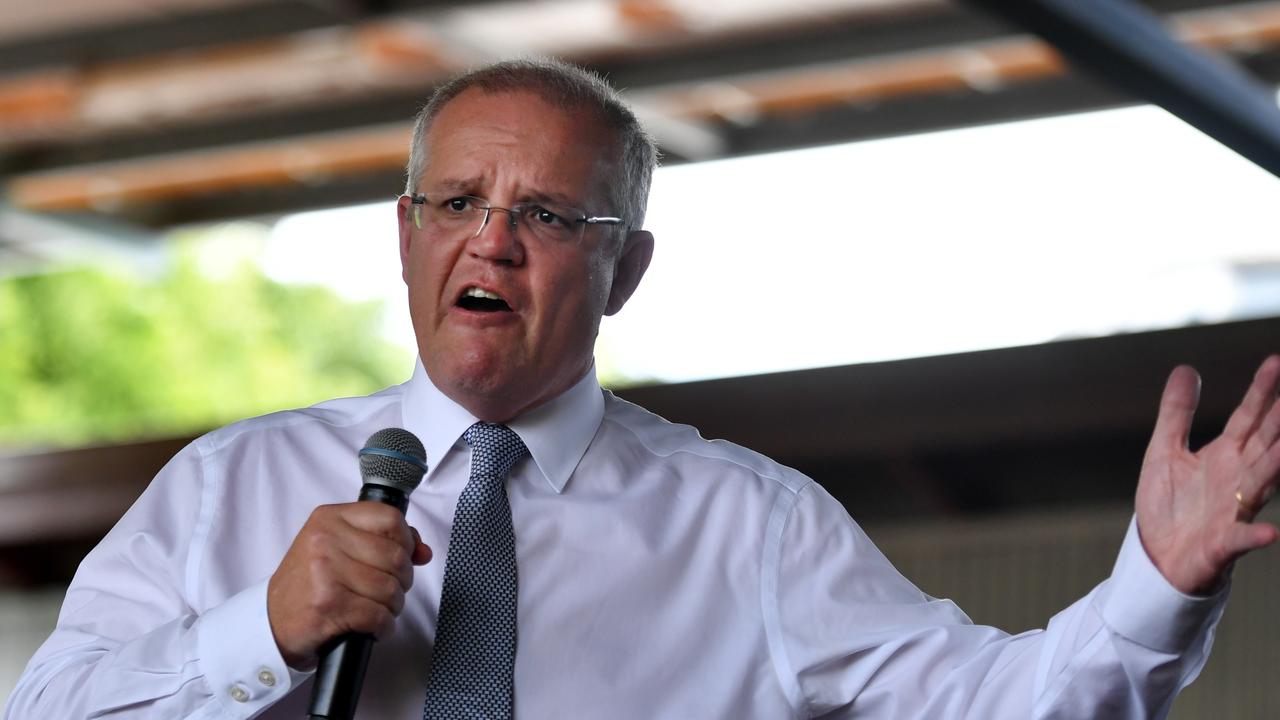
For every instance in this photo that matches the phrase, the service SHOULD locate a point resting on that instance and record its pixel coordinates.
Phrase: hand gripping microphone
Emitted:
(392, 464)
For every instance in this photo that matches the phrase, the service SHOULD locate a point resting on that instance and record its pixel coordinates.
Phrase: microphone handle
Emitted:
(339, 677)
(343, 660)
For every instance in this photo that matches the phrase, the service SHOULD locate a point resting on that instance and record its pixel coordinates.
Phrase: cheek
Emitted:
(599, 281)
(426, 275)
(575, 300)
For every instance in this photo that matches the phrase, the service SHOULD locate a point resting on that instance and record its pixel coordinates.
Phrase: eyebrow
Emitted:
(553, 197)
(468, 185)
(456, 184)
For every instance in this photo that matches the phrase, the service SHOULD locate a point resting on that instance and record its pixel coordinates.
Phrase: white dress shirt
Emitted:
(661, 575)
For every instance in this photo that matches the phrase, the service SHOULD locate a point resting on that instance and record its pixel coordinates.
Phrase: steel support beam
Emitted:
(1126, 45)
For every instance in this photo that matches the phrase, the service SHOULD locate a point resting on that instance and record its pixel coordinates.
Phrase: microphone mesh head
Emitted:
(396, 472)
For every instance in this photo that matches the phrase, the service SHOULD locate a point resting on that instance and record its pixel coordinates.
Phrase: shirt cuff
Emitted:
(239, 657)
(1141, 605)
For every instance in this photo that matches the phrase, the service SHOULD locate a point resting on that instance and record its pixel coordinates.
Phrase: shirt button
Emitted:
(266, 677)
(239, 694)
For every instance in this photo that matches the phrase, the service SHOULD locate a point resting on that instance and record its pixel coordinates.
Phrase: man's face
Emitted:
(501, 358)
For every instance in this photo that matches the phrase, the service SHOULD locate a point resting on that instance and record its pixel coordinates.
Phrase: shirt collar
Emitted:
(557, 432)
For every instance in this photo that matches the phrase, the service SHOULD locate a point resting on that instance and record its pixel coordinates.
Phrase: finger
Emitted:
(1257, 400)
(1269, 428)
(421, 551)
(1177, 407)
(1259, 483)
(385, 626)
(365, 616)
(381, 554)
(1266, 468)
(371, 584)
(1246, 537)
(381, 519)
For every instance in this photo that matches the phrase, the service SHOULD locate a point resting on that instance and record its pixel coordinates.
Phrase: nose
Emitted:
(497, 241)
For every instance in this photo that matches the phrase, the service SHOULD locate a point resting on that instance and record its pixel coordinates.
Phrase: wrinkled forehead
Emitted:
(525, 124)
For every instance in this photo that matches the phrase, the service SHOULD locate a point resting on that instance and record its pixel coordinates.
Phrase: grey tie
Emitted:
(473, 664)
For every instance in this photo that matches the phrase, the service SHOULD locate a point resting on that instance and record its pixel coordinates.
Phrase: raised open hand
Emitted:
(1196, 509)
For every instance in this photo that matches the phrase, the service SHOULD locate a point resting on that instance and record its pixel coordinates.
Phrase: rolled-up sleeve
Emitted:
(857, 639)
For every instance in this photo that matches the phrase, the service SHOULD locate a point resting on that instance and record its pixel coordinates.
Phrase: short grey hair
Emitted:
(564, 86)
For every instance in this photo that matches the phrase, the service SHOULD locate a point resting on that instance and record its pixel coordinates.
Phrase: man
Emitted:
(652, 574)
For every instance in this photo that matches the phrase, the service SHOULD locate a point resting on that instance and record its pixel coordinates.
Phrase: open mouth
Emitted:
(477, 300)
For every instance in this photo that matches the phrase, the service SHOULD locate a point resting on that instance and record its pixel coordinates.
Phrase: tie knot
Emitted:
(495, 449)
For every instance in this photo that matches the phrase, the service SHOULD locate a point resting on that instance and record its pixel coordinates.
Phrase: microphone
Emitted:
(392, 464)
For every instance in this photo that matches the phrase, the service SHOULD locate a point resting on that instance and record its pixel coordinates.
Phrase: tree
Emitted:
(95, 354)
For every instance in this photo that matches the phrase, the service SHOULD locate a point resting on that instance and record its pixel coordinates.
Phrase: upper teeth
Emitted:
(478, 293)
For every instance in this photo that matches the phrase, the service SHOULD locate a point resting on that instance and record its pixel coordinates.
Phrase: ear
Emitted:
(633, 260)
(408, 216)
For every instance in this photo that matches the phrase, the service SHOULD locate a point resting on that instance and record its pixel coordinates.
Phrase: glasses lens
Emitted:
(455, 216)
(464, 215)
(551, 223)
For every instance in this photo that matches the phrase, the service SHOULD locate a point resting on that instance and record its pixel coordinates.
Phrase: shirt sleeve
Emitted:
(130, 641)
(858, 640)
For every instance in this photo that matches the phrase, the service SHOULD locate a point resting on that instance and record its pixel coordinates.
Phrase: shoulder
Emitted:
(289, 461)
(338, 418)
(660, 440)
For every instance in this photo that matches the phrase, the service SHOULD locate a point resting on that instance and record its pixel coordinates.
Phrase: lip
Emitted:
(480, 318)
(475, 318)
(484, 288)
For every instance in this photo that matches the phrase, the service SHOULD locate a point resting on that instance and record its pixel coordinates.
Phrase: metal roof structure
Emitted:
(169, 111)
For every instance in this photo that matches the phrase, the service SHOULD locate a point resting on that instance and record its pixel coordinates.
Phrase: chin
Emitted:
(474, 377)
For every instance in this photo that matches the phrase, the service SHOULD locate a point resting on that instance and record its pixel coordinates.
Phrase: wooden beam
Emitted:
(316, 67)
(983, 67)
(38, 106)
(243, 79)
(305, 160)
(24, 19)
(309, 68)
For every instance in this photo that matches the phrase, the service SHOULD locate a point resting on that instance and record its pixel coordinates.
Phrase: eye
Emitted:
(543, 216)
(458, 204)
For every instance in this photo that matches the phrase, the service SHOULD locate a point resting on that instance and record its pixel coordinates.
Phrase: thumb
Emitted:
(421, 552)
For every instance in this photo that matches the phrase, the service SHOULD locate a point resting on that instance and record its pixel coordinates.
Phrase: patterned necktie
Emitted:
(473, 665)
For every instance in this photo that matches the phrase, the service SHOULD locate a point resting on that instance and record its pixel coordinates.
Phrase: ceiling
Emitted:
(154, 112)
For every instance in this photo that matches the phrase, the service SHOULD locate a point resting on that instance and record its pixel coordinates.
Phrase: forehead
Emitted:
(480, 133)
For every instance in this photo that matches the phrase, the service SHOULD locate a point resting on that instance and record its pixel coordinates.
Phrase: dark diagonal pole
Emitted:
(1127, 45)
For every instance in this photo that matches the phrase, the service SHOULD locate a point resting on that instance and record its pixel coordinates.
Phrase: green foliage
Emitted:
(92, 355)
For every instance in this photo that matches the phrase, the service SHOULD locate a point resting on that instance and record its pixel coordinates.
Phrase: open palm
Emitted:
(1196, 509)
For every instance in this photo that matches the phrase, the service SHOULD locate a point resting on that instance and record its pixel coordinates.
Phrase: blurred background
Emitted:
(902, 246)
